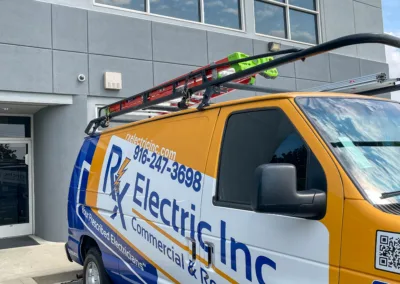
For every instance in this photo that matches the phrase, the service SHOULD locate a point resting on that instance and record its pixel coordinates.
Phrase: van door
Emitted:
(242, 246)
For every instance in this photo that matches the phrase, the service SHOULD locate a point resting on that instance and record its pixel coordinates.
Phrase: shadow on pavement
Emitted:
(67, 277)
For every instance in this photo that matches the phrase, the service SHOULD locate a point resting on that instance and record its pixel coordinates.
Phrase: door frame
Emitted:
(30, 228)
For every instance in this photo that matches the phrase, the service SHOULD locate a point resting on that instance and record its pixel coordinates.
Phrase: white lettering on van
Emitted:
(151, 146)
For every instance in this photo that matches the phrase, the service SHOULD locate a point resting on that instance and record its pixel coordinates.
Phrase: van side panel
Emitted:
(77, 226)
(371, 243)
(143, 197)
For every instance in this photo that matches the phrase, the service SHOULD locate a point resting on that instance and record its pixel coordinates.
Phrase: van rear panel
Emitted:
(76, 196)
(80, 236)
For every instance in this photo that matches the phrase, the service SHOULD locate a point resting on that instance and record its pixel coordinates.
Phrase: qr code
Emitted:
(387, 255)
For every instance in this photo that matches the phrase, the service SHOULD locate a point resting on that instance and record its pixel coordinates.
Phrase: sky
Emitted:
(391, 21)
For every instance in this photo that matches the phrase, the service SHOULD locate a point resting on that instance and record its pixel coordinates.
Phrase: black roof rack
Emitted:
(191, 84)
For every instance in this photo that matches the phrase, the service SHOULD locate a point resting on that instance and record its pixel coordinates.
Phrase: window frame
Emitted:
(243, 206)
(287, 6)
(147, 11)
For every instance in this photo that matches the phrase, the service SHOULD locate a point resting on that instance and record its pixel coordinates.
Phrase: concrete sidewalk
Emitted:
(45, 262)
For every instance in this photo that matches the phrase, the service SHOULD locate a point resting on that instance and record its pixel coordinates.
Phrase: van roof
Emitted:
(242, 101)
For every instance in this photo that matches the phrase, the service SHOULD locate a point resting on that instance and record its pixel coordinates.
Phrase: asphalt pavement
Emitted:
(45, 263)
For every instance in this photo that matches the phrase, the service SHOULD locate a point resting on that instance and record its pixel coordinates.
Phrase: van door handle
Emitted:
(193, 247)
(209, 254)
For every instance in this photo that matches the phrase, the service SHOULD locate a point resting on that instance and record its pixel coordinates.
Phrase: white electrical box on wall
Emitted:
(112, 81)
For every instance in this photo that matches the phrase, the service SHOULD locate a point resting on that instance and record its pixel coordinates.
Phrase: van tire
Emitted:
(94, 266)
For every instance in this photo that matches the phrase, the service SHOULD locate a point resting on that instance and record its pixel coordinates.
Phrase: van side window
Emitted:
(293, 150)
(259, 137)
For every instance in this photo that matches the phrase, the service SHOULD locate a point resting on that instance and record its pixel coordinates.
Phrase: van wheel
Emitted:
(93, 269)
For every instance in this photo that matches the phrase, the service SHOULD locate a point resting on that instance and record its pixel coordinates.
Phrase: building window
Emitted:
(260, 137)
(186, 9)
(15, 126)
(291, 19)
(221, 13)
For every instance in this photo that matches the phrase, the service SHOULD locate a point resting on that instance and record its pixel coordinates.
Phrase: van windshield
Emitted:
(364, 135)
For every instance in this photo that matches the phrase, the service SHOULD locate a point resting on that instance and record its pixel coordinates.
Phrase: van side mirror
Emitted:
(276, 193)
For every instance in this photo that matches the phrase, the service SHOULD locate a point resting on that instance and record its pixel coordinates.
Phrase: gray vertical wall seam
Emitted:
(52, 51)
(151, 40)
(322, 23)
(355, 30)
(208, 57)
(152, 52)
(295, 76)
(88, 74)
(329, 67)
(51, 25)
(52, 71)
(87, 51)
(87, 31)
(152, 68)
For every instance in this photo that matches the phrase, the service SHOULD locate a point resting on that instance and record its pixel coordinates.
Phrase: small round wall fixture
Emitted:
(81, 78)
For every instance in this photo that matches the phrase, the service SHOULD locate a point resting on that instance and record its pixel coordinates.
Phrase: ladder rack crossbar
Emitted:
(347, 83)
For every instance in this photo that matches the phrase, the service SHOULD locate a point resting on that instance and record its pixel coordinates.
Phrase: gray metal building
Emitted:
(45, 45)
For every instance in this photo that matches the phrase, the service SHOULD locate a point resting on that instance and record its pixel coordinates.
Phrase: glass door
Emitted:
(15, 188)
